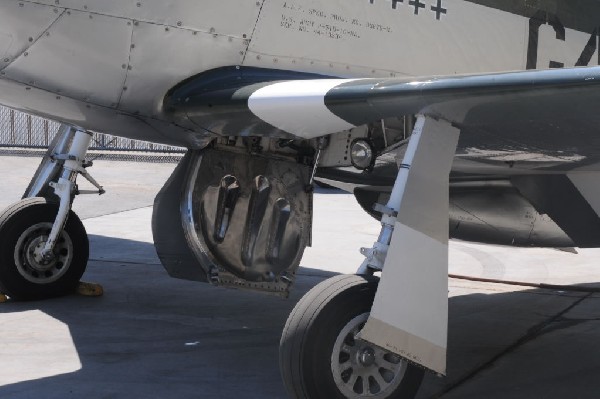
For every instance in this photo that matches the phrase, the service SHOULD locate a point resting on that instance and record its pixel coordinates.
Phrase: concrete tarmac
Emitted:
(151, 336)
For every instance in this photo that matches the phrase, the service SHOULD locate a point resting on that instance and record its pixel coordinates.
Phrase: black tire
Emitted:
(18, 279)
(311, 331)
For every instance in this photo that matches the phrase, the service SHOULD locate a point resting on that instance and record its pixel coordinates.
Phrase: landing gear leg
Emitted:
(415, 263)
(330, 347)
(44, 248)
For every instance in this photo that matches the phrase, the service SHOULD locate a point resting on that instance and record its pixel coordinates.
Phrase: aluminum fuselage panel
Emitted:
(106, 65)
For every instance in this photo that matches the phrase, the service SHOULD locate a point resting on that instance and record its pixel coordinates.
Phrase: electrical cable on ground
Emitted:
(572, 288)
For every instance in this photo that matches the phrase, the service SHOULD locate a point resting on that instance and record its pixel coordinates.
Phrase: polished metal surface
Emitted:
(66, 188)
(240, 220)
(106, 66)
(49, 168)
(362, 154)
(247, 218)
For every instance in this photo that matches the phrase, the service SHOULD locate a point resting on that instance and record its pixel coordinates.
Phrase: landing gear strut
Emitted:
(43, 245)
(356, 337)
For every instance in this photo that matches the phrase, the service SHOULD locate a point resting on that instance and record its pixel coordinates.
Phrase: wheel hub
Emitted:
(366, 357)
(34, 254)
(362, 370)
(32, 264)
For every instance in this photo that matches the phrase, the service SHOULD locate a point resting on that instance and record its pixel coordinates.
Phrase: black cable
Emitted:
(572, 288)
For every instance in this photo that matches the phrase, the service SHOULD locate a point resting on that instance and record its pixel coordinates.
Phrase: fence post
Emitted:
(12, 127)
(46, 132)
(29, 132)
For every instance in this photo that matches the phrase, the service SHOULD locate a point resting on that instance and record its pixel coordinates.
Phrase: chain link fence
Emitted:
(24, 134)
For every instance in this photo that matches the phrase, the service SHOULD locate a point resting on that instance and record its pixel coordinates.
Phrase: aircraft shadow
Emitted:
(152, 336)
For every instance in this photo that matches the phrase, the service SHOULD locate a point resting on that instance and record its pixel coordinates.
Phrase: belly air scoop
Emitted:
(233, 219)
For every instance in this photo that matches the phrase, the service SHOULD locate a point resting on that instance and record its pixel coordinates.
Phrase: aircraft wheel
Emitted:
(24, 230)
(320, 356)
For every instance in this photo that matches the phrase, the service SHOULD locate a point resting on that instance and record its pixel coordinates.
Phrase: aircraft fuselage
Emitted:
(107, 65)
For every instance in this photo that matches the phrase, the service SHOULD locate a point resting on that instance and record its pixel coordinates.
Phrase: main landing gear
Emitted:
(43, 244)
(25, 273)
(334, 339)
(322, 356)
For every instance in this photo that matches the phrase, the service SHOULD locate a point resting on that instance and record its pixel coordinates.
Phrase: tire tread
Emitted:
(301, 319)
(60, 287)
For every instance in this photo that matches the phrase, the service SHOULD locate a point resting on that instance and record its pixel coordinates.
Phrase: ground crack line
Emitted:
(531, 334)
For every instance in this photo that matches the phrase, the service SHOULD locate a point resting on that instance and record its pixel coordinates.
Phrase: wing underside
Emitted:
(541, 127)
(550, 111)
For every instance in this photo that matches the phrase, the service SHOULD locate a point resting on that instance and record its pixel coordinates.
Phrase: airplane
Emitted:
(470, 119)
